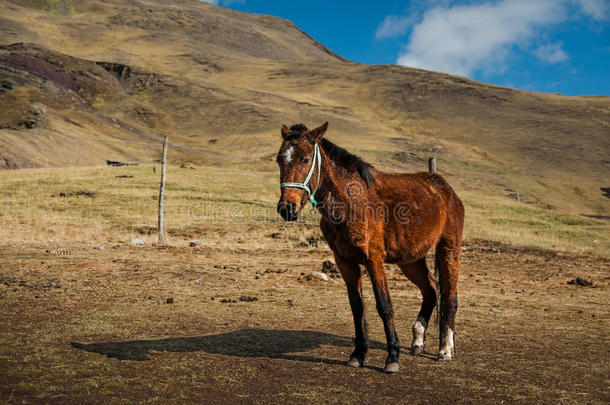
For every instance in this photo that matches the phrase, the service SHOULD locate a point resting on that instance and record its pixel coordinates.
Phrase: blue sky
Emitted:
(556, 46)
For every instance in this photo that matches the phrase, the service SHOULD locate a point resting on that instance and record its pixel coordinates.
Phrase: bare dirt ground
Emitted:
(240, 323)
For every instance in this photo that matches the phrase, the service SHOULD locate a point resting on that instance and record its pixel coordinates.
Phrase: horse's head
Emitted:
(300, 160)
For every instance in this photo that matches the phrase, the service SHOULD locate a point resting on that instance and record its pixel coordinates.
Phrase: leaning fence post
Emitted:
(162, 191)
(432, 165)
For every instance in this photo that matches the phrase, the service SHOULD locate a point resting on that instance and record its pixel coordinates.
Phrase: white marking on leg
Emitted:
(447, 346)
(418, 334)
(288, 154)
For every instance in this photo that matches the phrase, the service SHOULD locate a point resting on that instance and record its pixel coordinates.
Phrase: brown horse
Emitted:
(371, 217)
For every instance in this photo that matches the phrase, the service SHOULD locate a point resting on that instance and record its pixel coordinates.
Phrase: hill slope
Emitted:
(222, 82)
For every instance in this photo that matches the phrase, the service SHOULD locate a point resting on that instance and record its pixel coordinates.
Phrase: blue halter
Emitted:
(317, 158)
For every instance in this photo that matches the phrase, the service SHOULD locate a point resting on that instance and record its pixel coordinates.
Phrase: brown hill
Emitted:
(222, 82)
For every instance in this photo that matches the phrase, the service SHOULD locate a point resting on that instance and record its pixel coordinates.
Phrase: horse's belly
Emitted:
(408, 243)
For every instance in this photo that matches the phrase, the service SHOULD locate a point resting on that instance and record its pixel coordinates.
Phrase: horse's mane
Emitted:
(348, 161)
(340, 156)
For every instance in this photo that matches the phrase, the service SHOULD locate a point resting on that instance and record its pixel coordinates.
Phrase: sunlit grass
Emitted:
(95, 204)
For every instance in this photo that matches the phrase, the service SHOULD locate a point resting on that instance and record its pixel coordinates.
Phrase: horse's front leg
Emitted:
(353, 280)
(384, 308)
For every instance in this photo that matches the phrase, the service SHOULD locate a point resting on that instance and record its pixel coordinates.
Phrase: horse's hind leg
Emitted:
(350, 272)
(448, 261)
(419, 275)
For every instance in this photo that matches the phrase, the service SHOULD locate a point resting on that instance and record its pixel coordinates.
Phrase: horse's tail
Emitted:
(439, 283)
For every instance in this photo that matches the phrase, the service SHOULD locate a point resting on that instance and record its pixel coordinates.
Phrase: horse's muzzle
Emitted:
(288, 210)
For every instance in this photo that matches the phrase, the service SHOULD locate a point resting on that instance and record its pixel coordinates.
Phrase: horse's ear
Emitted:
(317, 133)
(285, 131)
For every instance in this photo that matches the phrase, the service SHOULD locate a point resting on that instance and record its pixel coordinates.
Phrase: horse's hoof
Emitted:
(444, 356)
(391, 368)
(354, 362)
(417, 350)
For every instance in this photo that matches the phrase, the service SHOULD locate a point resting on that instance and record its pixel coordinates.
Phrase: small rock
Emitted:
(99, 247)
(313, 242)
(38, 109)
(169, 301)
(194, 243)
(247, 298)
(136, 241)
(319, 275)
(581, 282)
(329, 266)
(495, 310)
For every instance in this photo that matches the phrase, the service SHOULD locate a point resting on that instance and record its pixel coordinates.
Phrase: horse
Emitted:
(370, 217)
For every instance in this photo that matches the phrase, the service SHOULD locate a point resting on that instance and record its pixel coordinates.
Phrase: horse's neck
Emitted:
(329, 185)
(333, 190)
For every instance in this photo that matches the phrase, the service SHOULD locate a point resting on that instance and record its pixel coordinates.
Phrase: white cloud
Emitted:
(210, 1)
(393, 26)
(551, 53)
(481, 35)
(598, 9)
(465, 38)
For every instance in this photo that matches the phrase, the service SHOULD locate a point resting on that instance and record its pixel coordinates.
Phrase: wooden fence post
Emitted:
(162, 191)
(432, 165)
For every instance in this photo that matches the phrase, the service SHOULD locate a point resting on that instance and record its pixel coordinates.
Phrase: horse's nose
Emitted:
(287, 210)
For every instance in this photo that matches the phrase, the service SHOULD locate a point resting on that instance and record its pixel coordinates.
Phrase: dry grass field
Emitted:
(236, 317)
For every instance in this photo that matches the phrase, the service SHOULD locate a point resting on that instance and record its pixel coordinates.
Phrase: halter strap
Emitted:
(317, 159)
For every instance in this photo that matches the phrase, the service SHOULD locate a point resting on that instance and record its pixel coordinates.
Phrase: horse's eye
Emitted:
(306, 160)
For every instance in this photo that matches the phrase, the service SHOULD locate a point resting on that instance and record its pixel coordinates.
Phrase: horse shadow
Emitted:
(270, 343)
